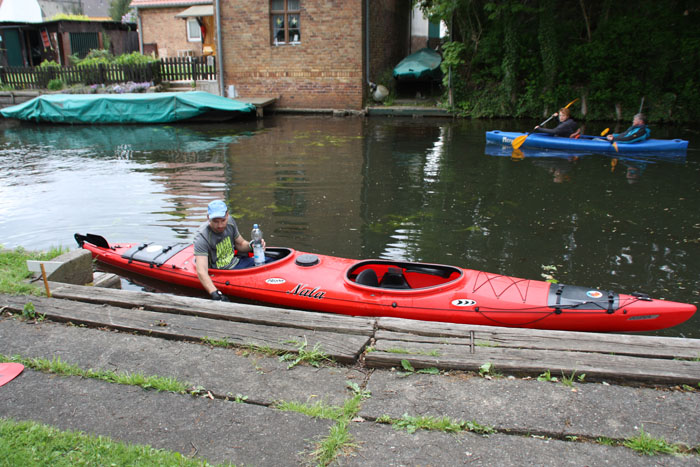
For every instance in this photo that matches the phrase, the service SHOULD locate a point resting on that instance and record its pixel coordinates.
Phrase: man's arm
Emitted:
(202, 263)
(244, 245)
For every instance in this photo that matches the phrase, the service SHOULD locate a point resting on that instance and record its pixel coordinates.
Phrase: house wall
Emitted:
(160, 26)
(324, 71)
(389, 37)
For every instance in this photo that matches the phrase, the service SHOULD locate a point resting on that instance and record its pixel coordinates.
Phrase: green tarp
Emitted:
(423, 65)
(159, 107)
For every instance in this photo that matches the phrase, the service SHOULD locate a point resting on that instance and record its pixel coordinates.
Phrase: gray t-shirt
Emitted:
(218, 247)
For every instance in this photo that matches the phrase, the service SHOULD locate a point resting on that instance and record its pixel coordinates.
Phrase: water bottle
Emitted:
(256, 240)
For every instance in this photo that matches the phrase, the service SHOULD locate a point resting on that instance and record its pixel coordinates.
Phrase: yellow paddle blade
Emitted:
(615, 146)
(604, 132)
(570, 103)
(517, 155)
(517, 142)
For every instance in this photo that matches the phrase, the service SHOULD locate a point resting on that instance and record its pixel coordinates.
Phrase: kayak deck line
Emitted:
(446, 346)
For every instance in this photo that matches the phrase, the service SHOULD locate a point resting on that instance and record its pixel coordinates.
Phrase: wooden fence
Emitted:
(165, 69)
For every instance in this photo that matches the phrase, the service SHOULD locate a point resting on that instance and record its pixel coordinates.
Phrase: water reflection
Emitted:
(406, 189)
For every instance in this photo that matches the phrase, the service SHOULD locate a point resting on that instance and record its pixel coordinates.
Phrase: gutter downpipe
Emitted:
(219, 49)
(138, 25)
(370, 83)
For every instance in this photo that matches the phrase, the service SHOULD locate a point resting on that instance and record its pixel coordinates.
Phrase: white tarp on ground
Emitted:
(21, 11)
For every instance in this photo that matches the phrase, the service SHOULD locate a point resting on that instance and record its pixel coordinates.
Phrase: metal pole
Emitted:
(219, 49)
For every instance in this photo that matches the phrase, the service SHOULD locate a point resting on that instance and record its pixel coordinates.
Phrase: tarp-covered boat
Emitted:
(421, 291)
(423, 65)
(161, 107)
(586, 143)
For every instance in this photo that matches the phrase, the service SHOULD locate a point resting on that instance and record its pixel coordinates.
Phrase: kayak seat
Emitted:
(394, 279)
(368, 277)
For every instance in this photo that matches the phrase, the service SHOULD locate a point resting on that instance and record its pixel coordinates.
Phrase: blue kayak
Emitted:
(596, 144)
(676, 157)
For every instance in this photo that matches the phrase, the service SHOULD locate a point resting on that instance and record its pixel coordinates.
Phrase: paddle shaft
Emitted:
(517, 142)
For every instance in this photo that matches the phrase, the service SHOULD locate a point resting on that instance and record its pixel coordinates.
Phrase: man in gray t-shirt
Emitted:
(215, 244)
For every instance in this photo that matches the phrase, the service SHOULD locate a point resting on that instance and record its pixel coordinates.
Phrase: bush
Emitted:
(49, 64)
(55, 84)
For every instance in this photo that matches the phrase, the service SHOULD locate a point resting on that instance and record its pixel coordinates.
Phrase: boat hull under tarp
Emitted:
(423, 65)
(162, 107)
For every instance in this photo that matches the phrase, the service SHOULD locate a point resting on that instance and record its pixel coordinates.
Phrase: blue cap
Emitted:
(217, 209)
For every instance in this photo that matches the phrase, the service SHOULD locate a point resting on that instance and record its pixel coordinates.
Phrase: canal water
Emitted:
(414, 189)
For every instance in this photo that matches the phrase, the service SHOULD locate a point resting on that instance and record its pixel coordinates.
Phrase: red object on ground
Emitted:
(9, 371)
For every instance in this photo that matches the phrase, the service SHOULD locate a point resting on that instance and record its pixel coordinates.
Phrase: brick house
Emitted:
(172, 28)
(316, 54)
(312, 53)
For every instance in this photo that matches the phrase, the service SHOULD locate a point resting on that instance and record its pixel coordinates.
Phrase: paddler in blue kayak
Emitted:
(639, 131)
(567, 125)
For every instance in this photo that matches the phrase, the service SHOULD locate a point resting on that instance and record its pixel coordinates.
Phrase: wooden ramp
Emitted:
(618, 357)
(382, 342)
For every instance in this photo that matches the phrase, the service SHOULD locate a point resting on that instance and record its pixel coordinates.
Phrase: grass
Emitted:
(57, 366)
(411, 424)
(339, 439)
(649, 446)
(29, 443)
(313, 357)
(408, 369)
(13, 270)
(400, 350)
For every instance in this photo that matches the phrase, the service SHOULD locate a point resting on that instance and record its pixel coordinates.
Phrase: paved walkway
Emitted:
(537, 422)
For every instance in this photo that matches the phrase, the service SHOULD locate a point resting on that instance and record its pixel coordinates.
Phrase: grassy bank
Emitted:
(29, 443)
(13, 269)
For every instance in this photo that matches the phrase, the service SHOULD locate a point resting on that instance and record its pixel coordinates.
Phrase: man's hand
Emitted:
(217, 295)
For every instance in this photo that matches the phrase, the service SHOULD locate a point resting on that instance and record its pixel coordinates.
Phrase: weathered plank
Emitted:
(460, 355)
(239, 312)
(341, 347)
(536, 339)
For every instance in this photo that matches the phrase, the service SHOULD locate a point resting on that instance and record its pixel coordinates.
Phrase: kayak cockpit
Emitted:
(401, 276)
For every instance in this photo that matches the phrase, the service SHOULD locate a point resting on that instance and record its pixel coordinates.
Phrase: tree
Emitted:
(118, 8)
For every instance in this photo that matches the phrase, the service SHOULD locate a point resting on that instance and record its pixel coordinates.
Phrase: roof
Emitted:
(197, 10)
(168, 3)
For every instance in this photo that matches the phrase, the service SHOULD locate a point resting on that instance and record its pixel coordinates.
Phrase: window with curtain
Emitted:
(285, 25)
(194, 31)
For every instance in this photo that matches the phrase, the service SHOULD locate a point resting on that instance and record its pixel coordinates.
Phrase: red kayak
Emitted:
(422, 291)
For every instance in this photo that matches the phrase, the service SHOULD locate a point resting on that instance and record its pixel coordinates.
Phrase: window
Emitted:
(83, 42)
(284, 22)
(194, 31)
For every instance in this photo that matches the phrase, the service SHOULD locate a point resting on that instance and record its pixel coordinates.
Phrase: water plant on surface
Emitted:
(29, 443)
(548, 274)
(649, 446)
(313, 357)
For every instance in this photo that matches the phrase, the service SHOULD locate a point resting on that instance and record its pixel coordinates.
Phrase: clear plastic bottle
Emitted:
(256, 237)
